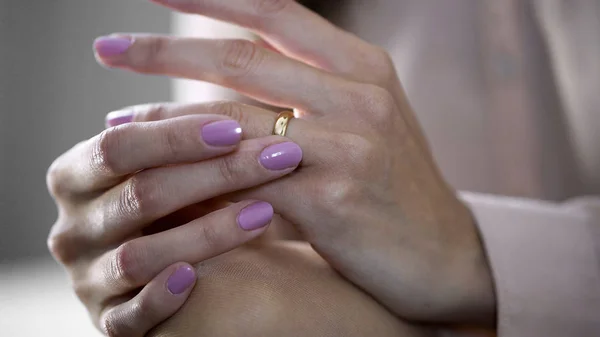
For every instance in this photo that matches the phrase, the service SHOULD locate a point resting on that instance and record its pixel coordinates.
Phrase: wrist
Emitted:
(471, 275)
(480, 306)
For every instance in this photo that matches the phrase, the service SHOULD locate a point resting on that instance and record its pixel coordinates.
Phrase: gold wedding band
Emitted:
(282, 122)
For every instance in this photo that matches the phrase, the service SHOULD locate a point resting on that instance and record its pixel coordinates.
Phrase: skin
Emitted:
(368, 196)
(274, 289)
(109, 203)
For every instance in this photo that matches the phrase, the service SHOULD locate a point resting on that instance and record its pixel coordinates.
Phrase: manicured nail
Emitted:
(255, 216)
(107, 46)
(181, 280)
(281, 156)
(119, 117)
(222, 133)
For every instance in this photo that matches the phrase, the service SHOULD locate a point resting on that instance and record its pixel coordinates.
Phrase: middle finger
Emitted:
(237, 64)
(152, 194)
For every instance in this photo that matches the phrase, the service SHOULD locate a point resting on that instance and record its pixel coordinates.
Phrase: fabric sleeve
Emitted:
(545, 259)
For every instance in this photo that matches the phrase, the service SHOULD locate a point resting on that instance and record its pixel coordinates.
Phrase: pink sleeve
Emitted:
(545, 259)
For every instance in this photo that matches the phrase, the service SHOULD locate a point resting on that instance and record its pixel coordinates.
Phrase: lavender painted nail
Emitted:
(255, 216)
(108, 46)
(181, 280)
(281, 156)
(119, 117)
(222, 133)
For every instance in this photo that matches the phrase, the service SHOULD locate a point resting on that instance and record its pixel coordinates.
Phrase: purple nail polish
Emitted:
(222, 133)
(119, 117)
(107, 46)
(181, 280)
(255, 216)
(281, 156)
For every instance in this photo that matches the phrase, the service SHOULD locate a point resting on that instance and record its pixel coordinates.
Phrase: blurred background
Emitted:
(53, 94)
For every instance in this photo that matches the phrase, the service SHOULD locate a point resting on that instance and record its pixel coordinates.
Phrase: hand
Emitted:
(113, 188)
(272, 289)
(369, 197)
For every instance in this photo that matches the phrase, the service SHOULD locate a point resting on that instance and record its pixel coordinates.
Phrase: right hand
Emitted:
(114, 186)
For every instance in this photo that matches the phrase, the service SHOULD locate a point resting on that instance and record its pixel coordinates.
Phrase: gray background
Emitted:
(53, 94)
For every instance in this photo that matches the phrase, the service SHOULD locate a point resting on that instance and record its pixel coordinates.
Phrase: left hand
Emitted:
(369, 196)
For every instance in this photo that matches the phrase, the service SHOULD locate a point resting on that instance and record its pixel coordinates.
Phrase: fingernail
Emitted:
(181, 280)
(281, 156)
(222, 133)
(119, 117)
(255, 216)
(107, 46)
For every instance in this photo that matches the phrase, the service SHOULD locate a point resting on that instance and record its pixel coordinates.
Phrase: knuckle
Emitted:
(104, 156)
(111, 324)
(376, 66)
(173, 142)
(152, 56)
(54, 179)
(381, 61)
(359, 151)
(124, 266)
(138, 197)
(270, 7)
(209, 237)
(83, 291)
(145, 309)
(239, 58)
(338, 194)
(152, 112)
(379, 105)
(59, 242)
(235, 111)
(229, 171)
(63, 242)
(230, 109)
(130, 201)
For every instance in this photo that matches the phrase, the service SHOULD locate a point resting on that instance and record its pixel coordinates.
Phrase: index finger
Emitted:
(106, 159)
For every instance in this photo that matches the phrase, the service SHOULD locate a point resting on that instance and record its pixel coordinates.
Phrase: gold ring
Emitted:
(282, 122)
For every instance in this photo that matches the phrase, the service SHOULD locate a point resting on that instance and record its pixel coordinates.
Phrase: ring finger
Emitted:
(256, 122)
(138, 261)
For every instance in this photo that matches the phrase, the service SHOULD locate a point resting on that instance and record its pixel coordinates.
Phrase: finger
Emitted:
(117, 152)
(237, 64)
(299, 33)
(137, 261)
(153, 194)
(159, 300)
(256, 122)
(302, 34)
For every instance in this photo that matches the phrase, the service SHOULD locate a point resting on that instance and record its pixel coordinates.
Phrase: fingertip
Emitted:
(118, 117)
(222, 133)
(112, 45)
(181, 279)
(281, 156)
(256, 216)
(157, 301)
